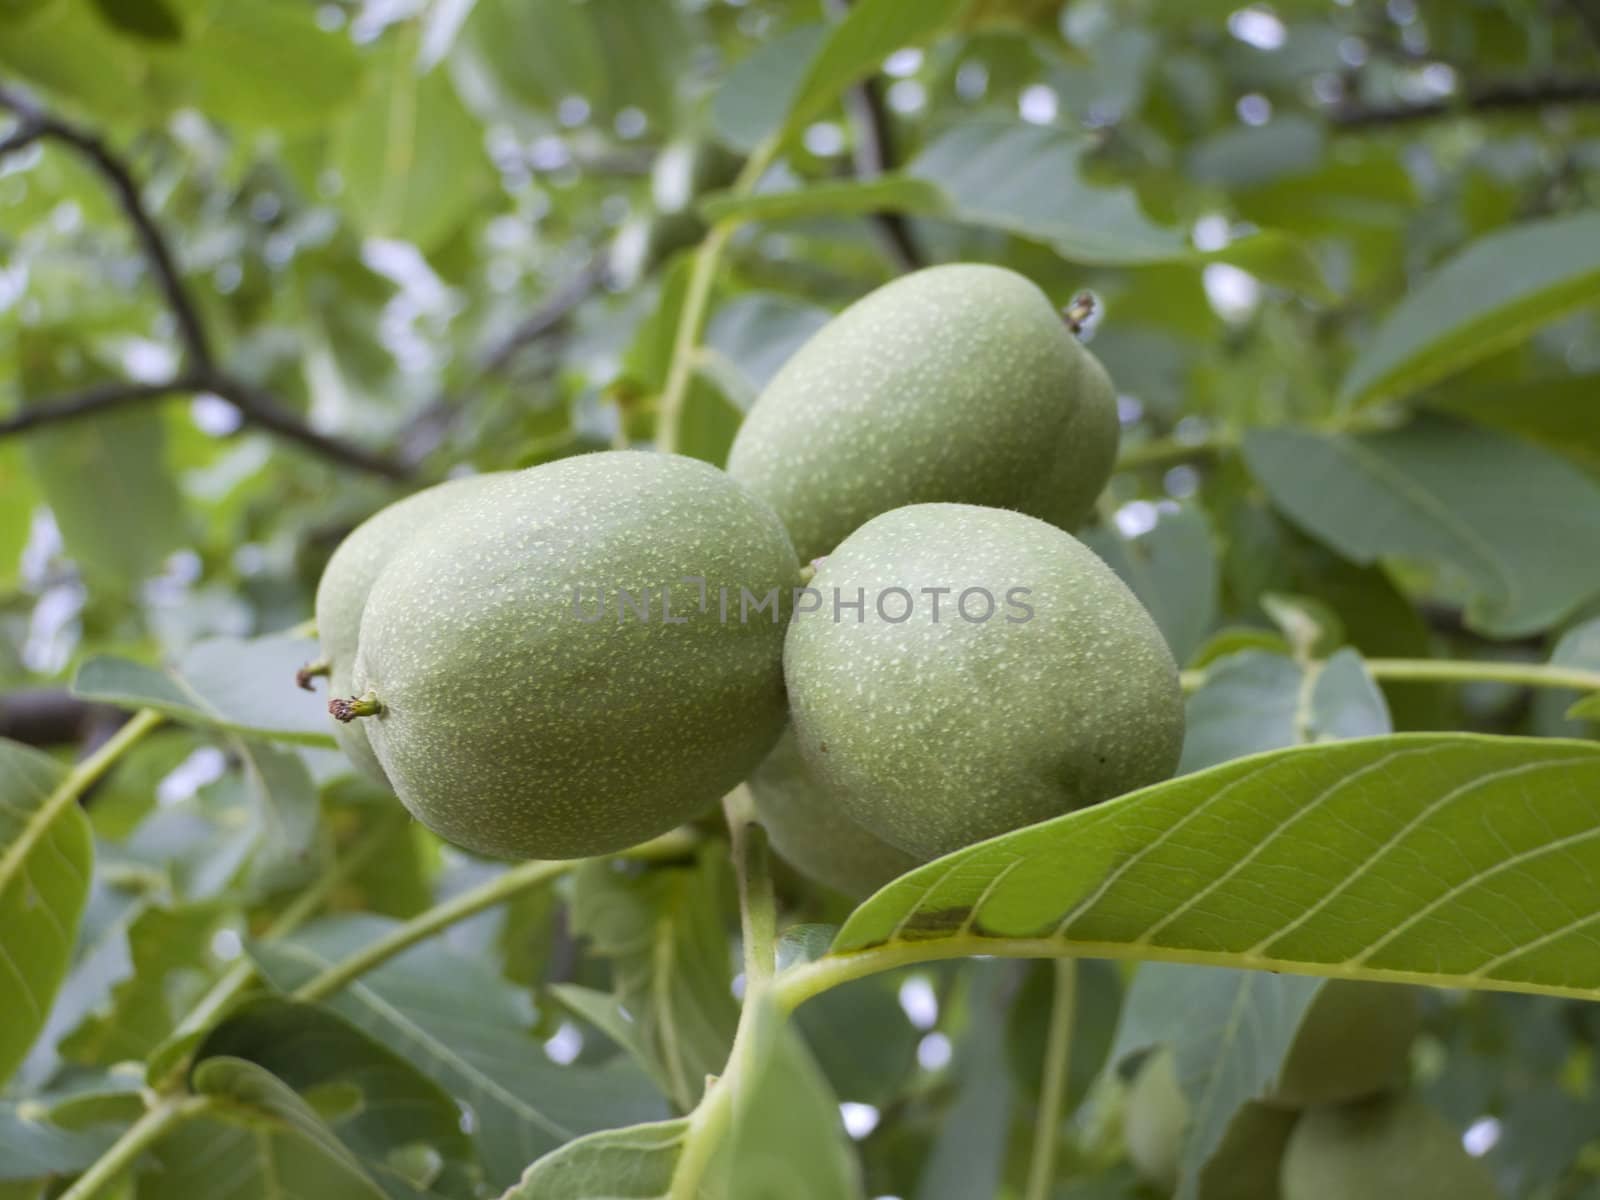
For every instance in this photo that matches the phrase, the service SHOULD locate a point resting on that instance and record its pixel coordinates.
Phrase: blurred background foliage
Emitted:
(286, 261)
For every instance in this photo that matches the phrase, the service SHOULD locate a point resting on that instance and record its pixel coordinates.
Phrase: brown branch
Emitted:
(88, 402)
(256, 408)
(49, 717)
(202, 372)
(1511, 95)
(259, 408)
(873, 154)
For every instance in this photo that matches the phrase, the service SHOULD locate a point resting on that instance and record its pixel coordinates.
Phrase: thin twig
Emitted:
(1056, 1080)
(202, 372)
(1511, 95)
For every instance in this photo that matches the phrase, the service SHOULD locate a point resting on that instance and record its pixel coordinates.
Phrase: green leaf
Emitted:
(45, 864)
(1027, 179)
(664, 932)
(787, 1138)
(1502, 513)
(614, 54)
(261, 1138)
(968, 1157)
(1558, 712)
(1491, 295)
(832, 198)
(32, 1147)
(1346, 701)
(869, 33)
(409, 154)
(261, 63)
(1257, 700)
(635, 1163)
(761, 89)
(68, 49)
(1249, 702)
(242, 686)
(106, 480)
(758, 331)
(158, 968)
(1561, 413)
(394, 1112)
(1096, 1009)
(286, 814)
(1230, 1032)
(862, 1039)
(1451, 860)
(1172, 568)
(468, 1030)
(1585, 710)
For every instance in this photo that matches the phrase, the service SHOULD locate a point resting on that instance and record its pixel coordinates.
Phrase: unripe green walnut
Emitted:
(518, 723)
(959, 383)
(811, 830)
(1354, 1040)
(1244, 1166)
(346, 580)
(1039, 686)
(1388, 1146)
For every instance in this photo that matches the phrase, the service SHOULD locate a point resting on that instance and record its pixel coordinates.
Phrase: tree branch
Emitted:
(874, 153)
(256, 408)
(1511, 95)
(52, 717)
(202, 372)
(261, 409)
(89, 401)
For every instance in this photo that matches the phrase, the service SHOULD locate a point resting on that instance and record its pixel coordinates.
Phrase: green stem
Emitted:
(78, 781)
(502, 887)
(1539, 675)
(802, 983)
(758, 910)
(1053, 1092)
(696, 299)
(758, 920)
(707, 1126)
(138, 1137)
(1445, 670)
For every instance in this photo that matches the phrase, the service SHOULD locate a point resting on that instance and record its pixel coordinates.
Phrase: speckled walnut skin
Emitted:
(938, 735)
(513, 728)
(342, 595)
(958, 383)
